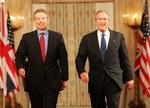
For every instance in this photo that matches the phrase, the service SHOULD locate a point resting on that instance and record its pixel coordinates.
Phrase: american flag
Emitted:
(9, 76)
(142, 62)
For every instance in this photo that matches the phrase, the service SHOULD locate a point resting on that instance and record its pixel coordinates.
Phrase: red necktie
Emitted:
(42, 45)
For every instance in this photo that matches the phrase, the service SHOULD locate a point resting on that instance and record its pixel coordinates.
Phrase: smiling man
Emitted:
(46, 72)
(109, 65)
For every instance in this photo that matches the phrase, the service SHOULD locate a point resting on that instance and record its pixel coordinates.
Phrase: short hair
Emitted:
(38, 11)
(101, 11)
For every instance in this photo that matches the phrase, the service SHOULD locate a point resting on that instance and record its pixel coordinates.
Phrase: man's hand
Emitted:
(129, 84)
(21, 72)
(84, 77)
(64, 85)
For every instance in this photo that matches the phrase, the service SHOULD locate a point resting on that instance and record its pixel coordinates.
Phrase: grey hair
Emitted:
(101, 11)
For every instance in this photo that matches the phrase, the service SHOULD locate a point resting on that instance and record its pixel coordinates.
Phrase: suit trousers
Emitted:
(47, 99)
(109, 97)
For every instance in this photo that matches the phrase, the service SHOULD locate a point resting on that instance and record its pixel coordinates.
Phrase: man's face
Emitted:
(41, 20)
(102, 21)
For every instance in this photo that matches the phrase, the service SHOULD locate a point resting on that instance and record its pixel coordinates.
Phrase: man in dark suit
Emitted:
(47, 71)
(109, 65)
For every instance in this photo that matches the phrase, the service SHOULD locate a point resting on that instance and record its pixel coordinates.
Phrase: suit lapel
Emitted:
(112, 40)
(37, 45)
(50, 41)
(95, 45)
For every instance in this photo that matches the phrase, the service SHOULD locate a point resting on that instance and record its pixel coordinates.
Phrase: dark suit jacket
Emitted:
(50, 72)
(116, 63)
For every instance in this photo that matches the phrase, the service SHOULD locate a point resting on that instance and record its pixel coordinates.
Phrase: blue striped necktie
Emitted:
(103, 47)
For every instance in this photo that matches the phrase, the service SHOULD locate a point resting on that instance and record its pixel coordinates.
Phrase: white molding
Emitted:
(2, 0)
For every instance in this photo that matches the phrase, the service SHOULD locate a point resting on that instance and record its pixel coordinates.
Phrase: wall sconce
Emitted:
(132, 20)
(126, 18)
(17, 22)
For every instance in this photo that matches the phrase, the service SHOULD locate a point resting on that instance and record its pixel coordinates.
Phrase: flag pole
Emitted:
(3, 102)
(13, 101)
(136, 102)
(3, 97)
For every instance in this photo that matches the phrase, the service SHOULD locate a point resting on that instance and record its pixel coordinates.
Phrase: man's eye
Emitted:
(43, 18)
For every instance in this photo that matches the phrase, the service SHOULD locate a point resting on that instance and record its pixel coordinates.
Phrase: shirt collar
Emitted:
(45, 32)
(99, 33)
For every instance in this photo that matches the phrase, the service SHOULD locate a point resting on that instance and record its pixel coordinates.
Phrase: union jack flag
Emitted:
(142, 62)
(8, 72)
